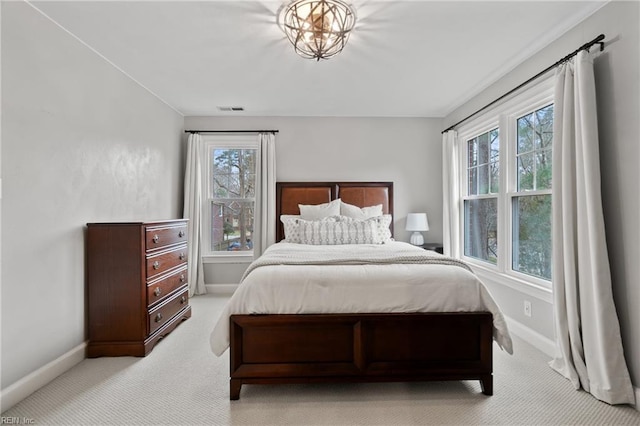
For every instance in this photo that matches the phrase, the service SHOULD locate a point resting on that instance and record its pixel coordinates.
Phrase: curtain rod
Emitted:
(231, 131)
(586, 46)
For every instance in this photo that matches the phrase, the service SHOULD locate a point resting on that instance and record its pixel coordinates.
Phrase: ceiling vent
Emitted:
(231, 108)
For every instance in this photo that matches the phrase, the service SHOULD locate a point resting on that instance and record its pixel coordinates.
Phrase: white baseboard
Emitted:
(537, 340)
(34, 381)
(221, 288)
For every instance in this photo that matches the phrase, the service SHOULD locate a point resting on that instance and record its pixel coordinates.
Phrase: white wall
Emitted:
(407, 151)
(618, 94)
(81, 142)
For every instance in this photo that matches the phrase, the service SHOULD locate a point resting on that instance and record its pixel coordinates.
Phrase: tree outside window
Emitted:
(233, 181)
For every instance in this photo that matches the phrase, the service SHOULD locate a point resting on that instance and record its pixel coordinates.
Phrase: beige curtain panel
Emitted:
(589, 346)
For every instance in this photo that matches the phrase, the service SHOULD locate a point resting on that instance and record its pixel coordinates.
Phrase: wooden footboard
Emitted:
(272, 349)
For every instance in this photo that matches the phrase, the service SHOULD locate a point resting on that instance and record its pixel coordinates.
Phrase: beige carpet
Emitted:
(182, 383)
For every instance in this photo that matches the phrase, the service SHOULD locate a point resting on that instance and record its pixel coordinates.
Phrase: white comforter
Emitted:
(357, 279)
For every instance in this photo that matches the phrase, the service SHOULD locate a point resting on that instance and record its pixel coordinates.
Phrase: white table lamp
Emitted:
(418, 223)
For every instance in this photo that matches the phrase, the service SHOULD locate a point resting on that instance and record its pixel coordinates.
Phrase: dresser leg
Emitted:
(486, 383)
(234, 387)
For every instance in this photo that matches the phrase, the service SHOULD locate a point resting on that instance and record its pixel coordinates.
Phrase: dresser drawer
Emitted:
(163, 236)
(163, 313)
(161, 262)
(158, 290)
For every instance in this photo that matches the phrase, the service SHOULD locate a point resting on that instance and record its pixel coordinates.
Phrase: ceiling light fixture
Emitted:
(318, 29)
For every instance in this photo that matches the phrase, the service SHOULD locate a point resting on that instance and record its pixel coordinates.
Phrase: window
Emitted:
(531, 200)
(506, 188)
(229, 205)
(481, 205)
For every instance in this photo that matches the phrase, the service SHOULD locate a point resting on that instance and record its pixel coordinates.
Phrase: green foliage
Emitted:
(227, 228)
(532, 235)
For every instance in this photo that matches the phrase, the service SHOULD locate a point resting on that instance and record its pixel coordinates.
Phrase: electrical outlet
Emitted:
(527, 308)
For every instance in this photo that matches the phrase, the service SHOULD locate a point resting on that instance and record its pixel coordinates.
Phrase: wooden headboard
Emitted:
(361, 194)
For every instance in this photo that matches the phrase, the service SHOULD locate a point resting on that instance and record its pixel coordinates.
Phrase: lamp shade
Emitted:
(417, 222)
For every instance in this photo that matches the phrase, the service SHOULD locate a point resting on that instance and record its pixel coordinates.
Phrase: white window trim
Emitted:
(227, 258)
(226, 141)
(525, 286)
(536, 96)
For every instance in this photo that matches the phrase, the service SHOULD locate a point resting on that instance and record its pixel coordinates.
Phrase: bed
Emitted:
(308, 323)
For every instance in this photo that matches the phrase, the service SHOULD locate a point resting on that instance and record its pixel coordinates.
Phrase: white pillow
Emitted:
(363, 213)
(291, 227)
(340, 230)
(319, 211)
(384, 222)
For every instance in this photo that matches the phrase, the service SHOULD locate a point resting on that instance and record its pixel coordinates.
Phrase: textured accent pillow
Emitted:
(363, 213)
(341, 230)
(291, 227)
(319, 211)
(384, 223)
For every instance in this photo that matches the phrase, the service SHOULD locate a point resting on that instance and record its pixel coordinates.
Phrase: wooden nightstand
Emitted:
(437, 247)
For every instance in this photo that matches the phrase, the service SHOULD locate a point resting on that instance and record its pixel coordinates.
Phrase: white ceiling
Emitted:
(404, 58)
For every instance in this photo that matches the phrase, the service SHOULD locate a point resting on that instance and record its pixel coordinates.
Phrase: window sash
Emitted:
(481, 215)
(530, 251)
(482, 160)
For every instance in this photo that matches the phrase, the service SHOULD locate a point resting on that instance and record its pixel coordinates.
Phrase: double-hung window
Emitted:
(506, 158)
(229, 183)
(530, 198)
(481, 203)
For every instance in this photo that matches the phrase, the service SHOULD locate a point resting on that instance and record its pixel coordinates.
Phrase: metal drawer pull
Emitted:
(183, 299)
(182, 278)
(157, 291)
(181, 234)
(156, 264)
(182, 256)
(156, 238)
(158, 317)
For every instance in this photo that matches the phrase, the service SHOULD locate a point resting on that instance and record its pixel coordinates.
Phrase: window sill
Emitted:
(523, 286)
(228, 258)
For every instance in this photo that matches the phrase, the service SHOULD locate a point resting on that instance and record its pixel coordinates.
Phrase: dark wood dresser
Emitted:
(137, 290)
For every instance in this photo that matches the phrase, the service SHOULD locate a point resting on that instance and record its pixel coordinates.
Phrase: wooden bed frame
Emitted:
(392, 347)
